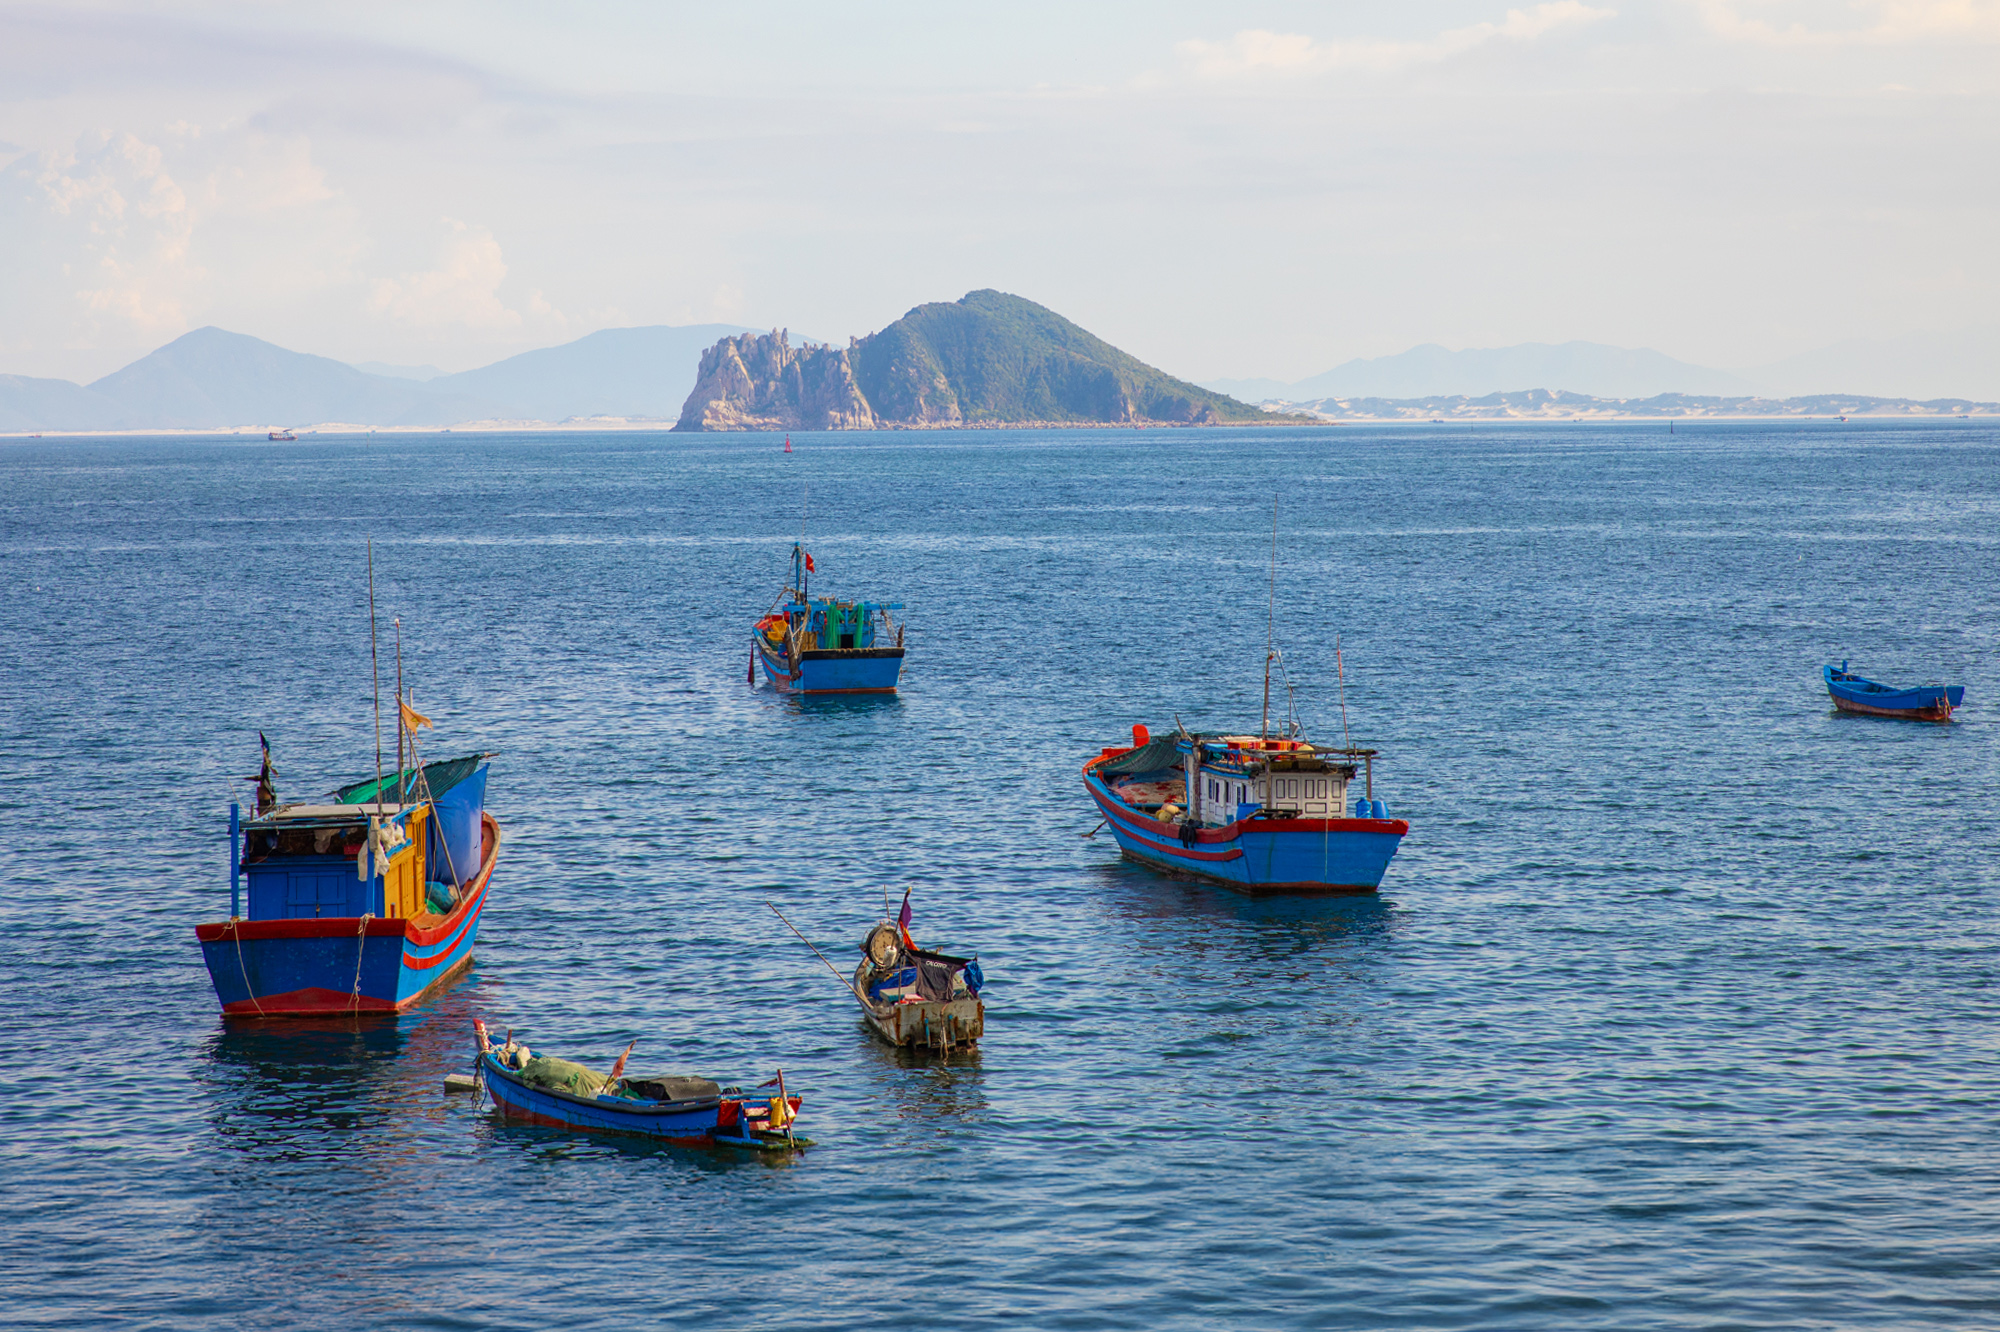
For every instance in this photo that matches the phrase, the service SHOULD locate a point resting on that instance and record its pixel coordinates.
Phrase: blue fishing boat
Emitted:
(1853, 693)
(1261, 814)
(691, 1112)
(824, 645)
(364, 901)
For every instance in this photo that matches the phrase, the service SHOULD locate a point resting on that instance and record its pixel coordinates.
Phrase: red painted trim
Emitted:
(441, 955)
(1939, 711)
(310, 1002)
(336, 927)
(490, 847)
(1130, 822)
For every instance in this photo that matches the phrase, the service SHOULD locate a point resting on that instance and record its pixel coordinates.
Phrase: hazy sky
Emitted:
(1224, 190)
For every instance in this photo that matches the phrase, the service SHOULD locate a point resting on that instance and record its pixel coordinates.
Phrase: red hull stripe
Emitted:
(1929, 712)
(310, 1001)
(1126, 823)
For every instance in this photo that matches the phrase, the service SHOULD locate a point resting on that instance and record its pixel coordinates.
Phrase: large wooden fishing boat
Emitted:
(1854, 693)
(824, 645)
(364, 901)
(1262, 814)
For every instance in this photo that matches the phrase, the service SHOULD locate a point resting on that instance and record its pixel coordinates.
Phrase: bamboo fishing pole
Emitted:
(821, 956)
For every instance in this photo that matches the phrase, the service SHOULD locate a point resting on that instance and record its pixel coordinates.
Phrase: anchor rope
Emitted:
(360, 947)
(236, 933)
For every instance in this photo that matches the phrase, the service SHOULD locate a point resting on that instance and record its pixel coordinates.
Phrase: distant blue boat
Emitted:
(827, 646)
(1261, 814)
(1853, 693)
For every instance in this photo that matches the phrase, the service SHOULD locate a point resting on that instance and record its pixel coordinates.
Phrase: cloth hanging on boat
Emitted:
(934, 981)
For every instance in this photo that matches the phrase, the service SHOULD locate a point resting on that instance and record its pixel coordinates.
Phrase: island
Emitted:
(990, 359)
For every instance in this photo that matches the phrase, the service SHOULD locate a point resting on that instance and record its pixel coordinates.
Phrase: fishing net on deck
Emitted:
(562, 1075)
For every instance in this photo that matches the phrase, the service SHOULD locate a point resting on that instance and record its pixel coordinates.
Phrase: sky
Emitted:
(1251, 189)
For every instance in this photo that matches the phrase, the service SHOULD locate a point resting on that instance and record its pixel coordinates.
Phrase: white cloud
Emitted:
(131, 227)
(1259, 52)
(463, 290)
(1868, 22)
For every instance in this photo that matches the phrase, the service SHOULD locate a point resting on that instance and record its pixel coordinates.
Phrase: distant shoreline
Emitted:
(662, 427)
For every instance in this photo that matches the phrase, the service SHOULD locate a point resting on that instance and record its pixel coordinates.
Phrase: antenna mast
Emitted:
(1270, 621)
(375, 668)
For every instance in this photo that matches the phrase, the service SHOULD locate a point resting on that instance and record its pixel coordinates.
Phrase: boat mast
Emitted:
(1270, 622)
(399, 711)
(375, 668)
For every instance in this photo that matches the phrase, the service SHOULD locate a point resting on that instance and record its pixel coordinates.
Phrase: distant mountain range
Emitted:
(987, 359)
(212, 378)
(1579, 367)
(1543, 405)
(1926, 366)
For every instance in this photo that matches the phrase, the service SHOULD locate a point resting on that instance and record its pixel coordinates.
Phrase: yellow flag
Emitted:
(412, 719)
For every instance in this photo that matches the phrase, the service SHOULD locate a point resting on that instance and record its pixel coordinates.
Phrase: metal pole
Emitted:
(399, 712)
(1270, 623)
(375, 667)
(235, 861)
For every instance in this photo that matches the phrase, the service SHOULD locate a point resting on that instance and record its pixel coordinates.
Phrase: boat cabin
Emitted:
(304, 861)
(823, 624)
(1221, 779)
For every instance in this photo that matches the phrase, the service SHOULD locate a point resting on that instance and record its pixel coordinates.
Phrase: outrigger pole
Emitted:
(821, 956)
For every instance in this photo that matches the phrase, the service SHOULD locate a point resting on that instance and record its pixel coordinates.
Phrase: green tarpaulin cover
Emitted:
(1161, 753)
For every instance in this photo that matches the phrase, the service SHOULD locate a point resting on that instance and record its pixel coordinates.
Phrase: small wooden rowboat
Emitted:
(1853, 693)
(689, 1112)
(915, 997)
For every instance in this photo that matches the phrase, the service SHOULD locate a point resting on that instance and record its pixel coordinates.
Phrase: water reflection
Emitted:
(303, 1086)
(1157, 912)
(926, 1085)
(542, 1145)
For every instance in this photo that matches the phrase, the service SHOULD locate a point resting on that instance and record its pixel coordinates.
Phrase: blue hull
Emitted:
(831, 671)
(1852, 693)
(1259, 856)
(327, 967)
(691, 1123)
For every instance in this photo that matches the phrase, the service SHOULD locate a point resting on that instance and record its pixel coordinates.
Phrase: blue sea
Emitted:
(1677, 1008)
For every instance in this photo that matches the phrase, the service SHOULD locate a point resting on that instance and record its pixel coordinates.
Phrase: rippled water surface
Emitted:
(1677, 1008)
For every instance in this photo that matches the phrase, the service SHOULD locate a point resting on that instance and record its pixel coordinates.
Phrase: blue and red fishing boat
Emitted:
(824, 645)
(690, 1112)
(1261, 814)
(363, 901)
(1853, 693)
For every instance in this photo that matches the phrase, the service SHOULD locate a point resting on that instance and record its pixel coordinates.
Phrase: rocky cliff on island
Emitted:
(990, 359)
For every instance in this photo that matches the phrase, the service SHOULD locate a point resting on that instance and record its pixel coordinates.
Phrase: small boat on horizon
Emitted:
(826, 646)
(1854, 693)
(285, 435)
